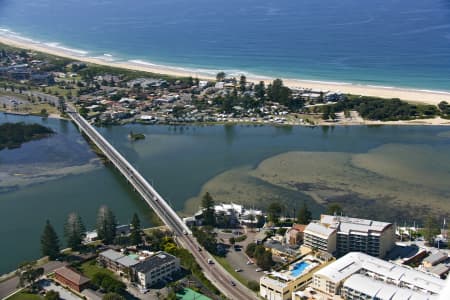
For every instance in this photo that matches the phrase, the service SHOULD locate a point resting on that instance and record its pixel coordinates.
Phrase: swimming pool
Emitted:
(299, 268)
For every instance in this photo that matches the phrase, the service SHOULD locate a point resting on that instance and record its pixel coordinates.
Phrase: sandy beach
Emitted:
(413, 95)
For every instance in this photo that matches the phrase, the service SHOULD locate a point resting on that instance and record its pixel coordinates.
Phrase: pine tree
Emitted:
(431, 229)
(208, 206)
(304, 215)
(49, 242)
(135, 237)
(106, 225)
(74, 231)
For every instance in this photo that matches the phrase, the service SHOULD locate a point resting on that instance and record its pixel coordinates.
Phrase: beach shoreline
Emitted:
(432, 97)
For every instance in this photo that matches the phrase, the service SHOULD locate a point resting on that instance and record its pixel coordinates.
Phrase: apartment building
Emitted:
(320, 237)
(145, 268)
(159, 267)
(280, 285)
(377, 279)
(341, 235)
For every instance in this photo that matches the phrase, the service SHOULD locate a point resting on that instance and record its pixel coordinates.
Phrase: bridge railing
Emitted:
(94, 135)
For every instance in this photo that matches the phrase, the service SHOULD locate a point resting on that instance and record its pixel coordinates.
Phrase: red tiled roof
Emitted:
(299, 227)
(72, 275)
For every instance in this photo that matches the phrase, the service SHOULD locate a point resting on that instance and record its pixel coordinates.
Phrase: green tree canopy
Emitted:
(28, 274)
(136, 233)
(334, 209)
(206, 237)
(49, 242)
(431, 229)
(74, 231)
(274, 211)
(220, 76)
(242, 83)
(208, 210)
(52, 295)
(304, 215)
(278, 92)
(250, 249)
(106, 225)
(260, 90)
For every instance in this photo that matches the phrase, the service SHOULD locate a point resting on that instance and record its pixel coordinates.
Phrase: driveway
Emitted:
(9, 286)
(64, 294)
(237, 258)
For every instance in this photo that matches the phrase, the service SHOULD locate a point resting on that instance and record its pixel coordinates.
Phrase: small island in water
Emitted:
(13, 135)
(136, 136)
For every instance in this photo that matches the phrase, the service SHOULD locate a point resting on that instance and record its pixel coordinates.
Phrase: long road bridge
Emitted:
(214, 272)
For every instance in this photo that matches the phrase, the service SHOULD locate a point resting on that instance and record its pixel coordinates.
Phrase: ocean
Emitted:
(401, 43)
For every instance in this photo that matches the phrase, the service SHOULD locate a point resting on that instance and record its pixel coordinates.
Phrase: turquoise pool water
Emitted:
(299, 268)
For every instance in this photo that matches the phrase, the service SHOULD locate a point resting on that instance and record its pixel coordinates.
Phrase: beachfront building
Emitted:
(378, 279)
(319, 237)
(280, 285)
(341, 235)
(228, 215)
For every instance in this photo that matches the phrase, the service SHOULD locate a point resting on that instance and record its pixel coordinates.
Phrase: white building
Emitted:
(159, 267)
(332, 279)
(341, 235)
(234, 211)
(361, 287)
(320, 237)
(280, 285)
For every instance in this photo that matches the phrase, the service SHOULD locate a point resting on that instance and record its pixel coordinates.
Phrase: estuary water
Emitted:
(396, 173)
(403, 43)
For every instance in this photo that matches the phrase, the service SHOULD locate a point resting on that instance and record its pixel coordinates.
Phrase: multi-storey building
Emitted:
(377, 279)
(350, 235)
(159, 267)
(280, 285)
(145, 268)
(320, 237)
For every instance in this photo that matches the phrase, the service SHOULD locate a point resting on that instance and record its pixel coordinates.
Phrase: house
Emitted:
(434, 259)
(70, 278)
(279, 249)
(294, 235)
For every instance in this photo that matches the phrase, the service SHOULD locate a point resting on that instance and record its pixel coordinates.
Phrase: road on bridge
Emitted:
(214, 272)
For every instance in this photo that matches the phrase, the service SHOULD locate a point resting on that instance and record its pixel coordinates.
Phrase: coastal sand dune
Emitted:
(414, 95)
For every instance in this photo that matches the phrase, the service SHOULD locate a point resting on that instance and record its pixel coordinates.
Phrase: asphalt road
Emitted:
(9, 286)
(215, 272)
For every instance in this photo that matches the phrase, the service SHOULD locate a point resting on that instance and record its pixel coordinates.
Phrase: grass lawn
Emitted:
(25, 296)
(90, 268)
